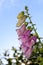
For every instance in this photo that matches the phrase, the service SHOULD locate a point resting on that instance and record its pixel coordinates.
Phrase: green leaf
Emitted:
(20, 58)
(29, 28)
(26, 8)
(26, 23)
(14, 49)
(18, 63)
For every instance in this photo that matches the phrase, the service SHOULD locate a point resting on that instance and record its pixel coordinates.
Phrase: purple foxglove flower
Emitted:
(27, 46)
(21, 30)
(25, 36)
(27, 32)
(23, 47)
(31, 41)
(27, 51)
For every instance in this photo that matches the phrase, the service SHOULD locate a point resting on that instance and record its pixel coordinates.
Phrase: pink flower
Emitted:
(21, 30)
(27, 32)
(27, 46)
(31, 41)
(27, 40)
(23, 47)
(26, 51)
(25, 36)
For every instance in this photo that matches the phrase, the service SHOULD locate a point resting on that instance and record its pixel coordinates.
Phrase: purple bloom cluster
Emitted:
(27, 40)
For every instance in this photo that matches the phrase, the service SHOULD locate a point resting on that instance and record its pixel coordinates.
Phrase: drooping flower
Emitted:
(27, 32)
(23, 47)
(27, 51)
(21, 30)
(25, 36)
(27, 47)
(31, 41)
(21, 21)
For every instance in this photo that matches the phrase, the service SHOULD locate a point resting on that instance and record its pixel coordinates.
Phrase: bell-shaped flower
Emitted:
(25, 36)
(21, 30)
(27, 47)
(23, 47)
(27, 51)
(31, 41)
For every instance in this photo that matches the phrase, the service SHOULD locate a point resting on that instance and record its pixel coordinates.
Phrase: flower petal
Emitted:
(29, 53)
(21, 30)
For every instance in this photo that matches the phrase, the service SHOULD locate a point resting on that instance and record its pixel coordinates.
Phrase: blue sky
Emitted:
(8, 13)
